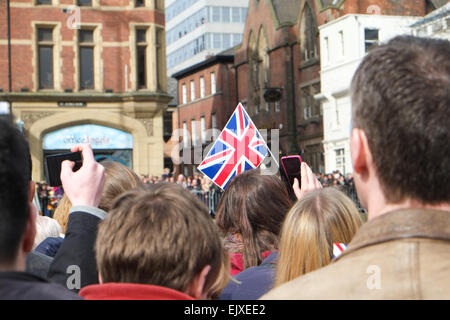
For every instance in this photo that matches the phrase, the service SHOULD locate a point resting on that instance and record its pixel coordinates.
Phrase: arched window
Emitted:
(309, 34)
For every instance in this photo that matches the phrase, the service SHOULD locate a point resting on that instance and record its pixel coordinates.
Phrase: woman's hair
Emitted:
(46, 227)
(253, 206)
(320, 218)
(118, 179)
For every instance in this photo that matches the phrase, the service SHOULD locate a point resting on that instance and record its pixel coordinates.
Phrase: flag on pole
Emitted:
(338, 248)
(239, 147)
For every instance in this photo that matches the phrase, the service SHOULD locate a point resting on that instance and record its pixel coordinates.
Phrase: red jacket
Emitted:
(131, 291)
(237, 262)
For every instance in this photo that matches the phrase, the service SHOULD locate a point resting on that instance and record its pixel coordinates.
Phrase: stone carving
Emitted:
(148, 124)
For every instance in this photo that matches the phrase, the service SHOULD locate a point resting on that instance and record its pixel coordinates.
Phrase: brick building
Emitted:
(87, 70)
(277, 66)
(206, 95)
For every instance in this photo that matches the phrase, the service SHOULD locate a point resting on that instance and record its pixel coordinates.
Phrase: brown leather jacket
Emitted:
(403, 254)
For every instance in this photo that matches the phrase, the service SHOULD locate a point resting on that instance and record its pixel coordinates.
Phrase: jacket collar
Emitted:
(402, 224)
(131, 291)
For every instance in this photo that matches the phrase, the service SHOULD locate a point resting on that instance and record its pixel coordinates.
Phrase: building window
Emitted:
(203, 129)
(43, 1)
(202, 87)
(193, 133)
(310, 34)
(267, 107)
(226, 14)
(185, 135)
(340, 160)
(326, 50)
(277, 106)
(86, 49)
(159, 56)
(84, 2)
(213, 121)
(45, 56)
(370, 38)
(341, 44)
(192, 90)
(213, 83)
(139, 3)
(184, 93)
(236, 15)
(141, 58)
(215, 14)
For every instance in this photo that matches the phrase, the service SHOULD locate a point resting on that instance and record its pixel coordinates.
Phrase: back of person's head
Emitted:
(254, 206)
(400, 99)
(314, 223)
(118, 179)
(160, 235)
(15, 177)
(46, 227)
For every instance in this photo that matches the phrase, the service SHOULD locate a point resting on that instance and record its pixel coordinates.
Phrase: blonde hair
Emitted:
(312, 225)
(46, 227)
(118, 179)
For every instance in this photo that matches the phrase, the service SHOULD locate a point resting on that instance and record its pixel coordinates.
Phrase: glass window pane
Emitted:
(84, 2)
(371, 34)
(141, 66)
(140, 35)
(45, 35)
(236, 16)
(44, 2)
(139, 3)
(225, 14)
(45, 67)
(216, 14)
(243, 14)
(86, 67)
(226, 40)
(86, 36)
(217, 41)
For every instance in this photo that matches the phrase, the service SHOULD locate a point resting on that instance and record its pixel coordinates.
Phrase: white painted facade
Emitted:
(190, 39)
(343, 46)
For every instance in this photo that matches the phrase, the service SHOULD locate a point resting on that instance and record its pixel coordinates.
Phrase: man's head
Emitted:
(401, 122)
(160, 235)
(17, 215)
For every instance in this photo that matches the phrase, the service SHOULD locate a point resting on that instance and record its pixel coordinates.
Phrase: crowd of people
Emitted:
(116, 235)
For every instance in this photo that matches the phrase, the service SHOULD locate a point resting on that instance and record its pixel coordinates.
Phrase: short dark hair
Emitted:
(161, 235)
(401, 100)
(15, 168)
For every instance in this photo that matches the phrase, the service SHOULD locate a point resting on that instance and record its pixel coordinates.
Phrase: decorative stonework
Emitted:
(148, 124)
(30, 117)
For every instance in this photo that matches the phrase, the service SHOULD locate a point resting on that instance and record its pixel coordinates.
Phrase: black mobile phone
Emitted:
(289, 170)
(53, 166)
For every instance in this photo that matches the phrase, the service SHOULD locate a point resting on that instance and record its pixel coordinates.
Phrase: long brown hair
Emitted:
(254, 206)
(312, 225)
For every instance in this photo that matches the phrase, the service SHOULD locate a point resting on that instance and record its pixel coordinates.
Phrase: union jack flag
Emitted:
(338, 248)
(239, 147)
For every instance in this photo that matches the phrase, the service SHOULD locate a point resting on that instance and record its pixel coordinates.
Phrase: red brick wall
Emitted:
(115, 28)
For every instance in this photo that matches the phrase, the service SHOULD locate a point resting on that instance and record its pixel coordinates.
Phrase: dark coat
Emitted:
(16, 285)
(77, 249)
(50, 246)
(254, 282)
(38, 264)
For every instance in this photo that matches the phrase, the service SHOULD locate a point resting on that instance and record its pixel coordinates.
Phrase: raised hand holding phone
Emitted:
(309, 182)
(83, 187)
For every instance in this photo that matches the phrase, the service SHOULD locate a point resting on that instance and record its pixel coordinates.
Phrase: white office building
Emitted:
(434, 25)
(344, 42)
(196, 29)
